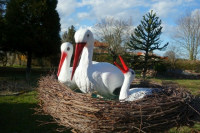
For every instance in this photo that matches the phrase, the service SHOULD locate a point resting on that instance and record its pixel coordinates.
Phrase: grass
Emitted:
(17, 115)
(19, 73)
(17, 112)
(191, 85)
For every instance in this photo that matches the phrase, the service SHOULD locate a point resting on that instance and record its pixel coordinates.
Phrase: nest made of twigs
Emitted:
(169, 107)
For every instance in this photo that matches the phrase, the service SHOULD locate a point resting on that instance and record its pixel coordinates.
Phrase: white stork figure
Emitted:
(64, 69)
(104, 78)
(132, 94)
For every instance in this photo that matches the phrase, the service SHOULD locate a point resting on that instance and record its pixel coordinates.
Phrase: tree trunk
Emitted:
(114, 58)
(5, 59)
(28, 66)
(191, 55)
(113, 54)
(173, 63)
(145, 65)
(19, 59)
(12, 58)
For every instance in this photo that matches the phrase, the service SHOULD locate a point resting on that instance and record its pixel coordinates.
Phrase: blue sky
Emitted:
(84, 13)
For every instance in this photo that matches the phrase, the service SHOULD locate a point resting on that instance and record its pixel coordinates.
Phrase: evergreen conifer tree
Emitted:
(2, 22)
(33, 28)
(146, 37)
(68, 36)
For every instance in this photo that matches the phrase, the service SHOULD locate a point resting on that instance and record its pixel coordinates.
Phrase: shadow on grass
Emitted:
(20, 118)
(20, 73)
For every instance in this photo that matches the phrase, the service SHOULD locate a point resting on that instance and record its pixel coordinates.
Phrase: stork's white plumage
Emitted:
(64, 69)
(132, 94)
(102, 77)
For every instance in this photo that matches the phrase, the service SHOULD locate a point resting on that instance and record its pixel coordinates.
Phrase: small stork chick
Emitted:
(132, 94)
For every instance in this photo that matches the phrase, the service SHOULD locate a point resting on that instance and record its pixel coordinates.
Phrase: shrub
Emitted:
(187, 65)
(102, 58)
(160, 67)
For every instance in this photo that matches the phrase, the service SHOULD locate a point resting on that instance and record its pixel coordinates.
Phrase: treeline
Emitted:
(30, 27)
(183, 64)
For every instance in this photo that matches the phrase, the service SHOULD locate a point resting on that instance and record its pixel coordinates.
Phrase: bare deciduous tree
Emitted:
(173, 54)
(187, 33)
(115, 33)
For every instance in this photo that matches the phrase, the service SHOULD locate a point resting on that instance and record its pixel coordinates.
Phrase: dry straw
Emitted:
(169, 107)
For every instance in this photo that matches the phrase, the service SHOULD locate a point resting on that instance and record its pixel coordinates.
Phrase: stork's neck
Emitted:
(86, 57)
(124, 93)
(65, 70)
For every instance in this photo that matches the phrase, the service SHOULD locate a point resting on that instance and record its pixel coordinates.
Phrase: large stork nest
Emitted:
(166, 108)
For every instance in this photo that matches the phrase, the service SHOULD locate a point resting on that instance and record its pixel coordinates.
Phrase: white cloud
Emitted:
(195, 12)
(82, 15)
(166, 30)
(87, 27)
(169, 8)
(164, 8)
(117, 8)
(65, 23)
(73, 12)
(66, 7)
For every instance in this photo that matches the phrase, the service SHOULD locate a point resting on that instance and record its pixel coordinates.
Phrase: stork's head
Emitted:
(83, 38)
(129, 73)
(66, 53)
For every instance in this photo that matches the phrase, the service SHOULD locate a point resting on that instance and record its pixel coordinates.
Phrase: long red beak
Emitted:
(124, 69)
(78, 51)
(62, 58)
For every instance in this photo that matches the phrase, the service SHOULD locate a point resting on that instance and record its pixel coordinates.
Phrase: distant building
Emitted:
(153, 56)
(100, 47)
(131, 53)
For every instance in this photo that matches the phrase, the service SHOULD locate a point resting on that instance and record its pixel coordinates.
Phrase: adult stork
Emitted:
(105, 78)
(132, 94)
(64, 69)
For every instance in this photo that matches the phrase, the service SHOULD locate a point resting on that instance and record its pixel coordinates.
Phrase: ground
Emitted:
(17, 112)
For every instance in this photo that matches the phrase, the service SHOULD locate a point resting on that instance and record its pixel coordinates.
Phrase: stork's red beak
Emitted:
(62, 58)
(124, 69)
(78, 51)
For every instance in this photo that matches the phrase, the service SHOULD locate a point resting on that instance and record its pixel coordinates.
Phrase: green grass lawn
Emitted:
(17, 115)
(192, 85)
(17, 112)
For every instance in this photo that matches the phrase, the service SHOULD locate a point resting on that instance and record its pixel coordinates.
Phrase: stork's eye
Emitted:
(132, 72)
(88, 35)
(68, 48)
